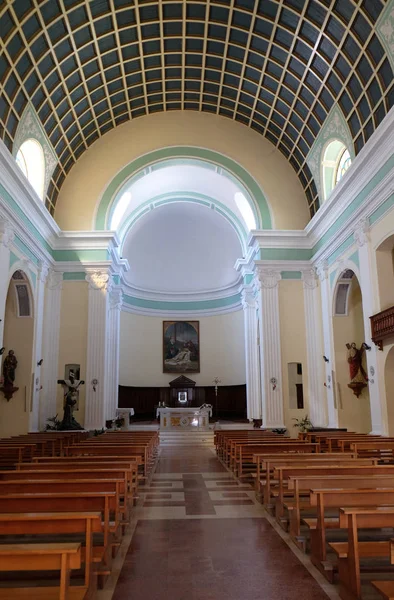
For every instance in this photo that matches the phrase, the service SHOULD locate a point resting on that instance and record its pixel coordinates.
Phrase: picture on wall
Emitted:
(181, 346)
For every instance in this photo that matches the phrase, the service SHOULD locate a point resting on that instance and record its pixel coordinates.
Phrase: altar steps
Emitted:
(189, 438)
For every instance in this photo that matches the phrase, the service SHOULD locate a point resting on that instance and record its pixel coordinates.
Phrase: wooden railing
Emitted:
(382, 326)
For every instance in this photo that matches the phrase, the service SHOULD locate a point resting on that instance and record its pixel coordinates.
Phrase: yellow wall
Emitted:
(353, 413)
(389, 387)
(89, 177)
(293, 345)
(222, 351)
(18, 336)
(73, 338)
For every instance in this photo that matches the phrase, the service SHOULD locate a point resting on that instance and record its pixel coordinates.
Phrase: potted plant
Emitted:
(53, 424)
(303, 424)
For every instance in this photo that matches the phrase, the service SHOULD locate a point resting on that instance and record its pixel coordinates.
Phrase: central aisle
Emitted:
(200, 535)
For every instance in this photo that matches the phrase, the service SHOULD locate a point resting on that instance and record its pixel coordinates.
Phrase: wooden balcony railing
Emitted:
(382, 326)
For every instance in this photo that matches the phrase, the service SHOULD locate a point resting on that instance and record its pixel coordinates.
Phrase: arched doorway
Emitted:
(348, 328)
(18, 336)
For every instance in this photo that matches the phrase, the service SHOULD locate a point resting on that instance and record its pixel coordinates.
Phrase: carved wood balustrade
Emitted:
(382, 326)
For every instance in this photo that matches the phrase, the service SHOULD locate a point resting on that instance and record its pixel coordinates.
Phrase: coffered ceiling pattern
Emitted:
(277, 66)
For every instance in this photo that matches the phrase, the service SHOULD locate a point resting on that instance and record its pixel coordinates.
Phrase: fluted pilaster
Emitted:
(253, 389)
(270, 347)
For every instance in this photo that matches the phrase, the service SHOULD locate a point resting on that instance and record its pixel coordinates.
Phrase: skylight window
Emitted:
(245, 210)
(31, 161)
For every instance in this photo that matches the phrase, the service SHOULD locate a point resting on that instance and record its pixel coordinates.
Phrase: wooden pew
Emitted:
(244, 457)
(349, 553)
(40, 557)
(115, 449)
(105, 502)
(53, 526)
(283, 473)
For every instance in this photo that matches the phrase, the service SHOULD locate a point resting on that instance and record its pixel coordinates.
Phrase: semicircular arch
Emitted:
(182, 155)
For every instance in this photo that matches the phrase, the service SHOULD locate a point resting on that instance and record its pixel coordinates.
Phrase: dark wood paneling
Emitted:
(230, 403)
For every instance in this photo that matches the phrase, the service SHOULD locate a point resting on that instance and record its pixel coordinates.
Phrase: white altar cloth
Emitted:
(125, 413)
(184, 418)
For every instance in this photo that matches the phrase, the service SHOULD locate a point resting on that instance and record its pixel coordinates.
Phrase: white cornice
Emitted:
(177, 314)
(285, 238)
(86, 240)
(284, 265)
(158, 296)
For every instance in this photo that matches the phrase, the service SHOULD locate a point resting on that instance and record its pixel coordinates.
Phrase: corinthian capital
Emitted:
(269, 278)
(43, 271)
(98, 280)
(361, 232)
(309, 278)
(54, 280)
(6, 233)
(116, 299)
(322, 270)
(248, 299)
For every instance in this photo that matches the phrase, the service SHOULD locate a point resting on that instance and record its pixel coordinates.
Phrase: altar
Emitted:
(184, 418)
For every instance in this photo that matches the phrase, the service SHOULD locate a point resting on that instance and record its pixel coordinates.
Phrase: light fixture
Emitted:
(325, 358)
(365, 346)
(40, 362)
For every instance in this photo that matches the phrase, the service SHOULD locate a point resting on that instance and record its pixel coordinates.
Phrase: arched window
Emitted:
(336, 161)
(31, 161)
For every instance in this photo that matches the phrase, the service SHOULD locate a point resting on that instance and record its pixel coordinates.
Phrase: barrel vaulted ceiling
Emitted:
(277, 66)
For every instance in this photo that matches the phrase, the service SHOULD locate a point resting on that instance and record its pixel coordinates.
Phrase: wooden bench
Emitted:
(42, 557)
(349, 553)
(53, 526)
(244, 453)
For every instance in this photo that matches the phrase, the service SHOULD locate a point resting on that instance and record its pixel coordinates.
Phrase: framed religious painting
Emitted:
(181, 346)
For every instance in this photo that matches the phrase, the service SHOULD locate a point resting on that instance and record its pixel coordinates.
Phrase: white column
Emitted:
(253, 391)
(314, 349)
(374, 365)
(115, 304)
(42, 275)
(271, 370)
(6, 238)
(50, 351)
(97, 355)
(328, 344)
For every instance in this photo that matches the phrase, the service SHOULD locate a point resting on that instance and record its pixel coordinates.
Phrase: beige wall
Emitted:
(389, 387)
(293, 345)
(353, 413)
(221, 350)
(73, 338)
(93, 172)
(18, 336)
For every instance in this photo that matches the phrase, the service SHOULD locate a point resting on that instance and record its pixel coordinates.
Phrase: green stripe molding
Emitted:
(186, 306)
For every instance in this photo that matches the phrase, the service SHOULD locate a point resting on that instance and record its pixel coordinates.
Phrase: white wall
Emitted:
(221, 350)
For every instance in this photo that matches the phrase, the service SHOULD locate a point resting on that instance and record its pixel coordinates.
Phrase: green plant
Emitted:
(98, 432)
(303, 424)
(53, 424)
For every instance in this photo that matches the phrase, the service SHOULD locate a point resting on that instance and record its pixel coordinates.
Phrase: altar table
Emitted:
(184, 418)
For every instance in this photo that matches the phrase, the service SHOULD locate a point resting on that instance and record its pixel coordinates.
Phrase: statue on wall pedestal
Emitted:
(358, 375)
(70, 400)
(9, 367)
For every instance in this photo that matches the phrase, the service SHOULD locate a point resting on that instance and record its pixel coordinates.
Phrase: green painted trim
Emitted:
(26, 251)
(344, 246)
(116, 279)
(248, 279)
(22, 216)
(187, 306)
(383, 208)
(358, 200)
(355, 258)
(291, 275)
(285, 254)
(332, 277)
(80, 255)
(242, 176)
(77, 276)
(13, 259)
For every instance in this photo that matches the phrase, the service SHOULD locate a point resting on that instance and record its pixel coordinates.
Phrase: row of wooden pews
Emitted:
(336, 503)
(66, 509)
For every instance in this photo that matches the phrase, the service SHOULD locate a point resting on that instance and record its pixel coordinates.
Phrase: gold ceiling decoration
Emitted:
(277, 66)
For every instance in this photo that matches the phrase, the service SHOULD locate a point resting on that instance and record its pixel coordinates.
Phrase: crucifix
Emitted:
(71, 385)
(71, 398)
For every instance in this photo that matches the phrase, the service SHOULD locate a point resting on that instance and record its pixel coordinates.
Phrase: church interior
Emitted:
(196, 299)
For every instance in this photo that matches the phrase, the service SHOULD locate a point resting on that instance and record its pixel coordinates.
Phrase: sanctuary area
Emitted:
(196, 299)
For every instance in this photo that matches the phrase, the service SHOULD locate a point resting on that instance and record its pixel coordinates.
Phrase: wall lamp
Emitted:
(40, 362)
(325, 358)
(2, 350)
(365, 346)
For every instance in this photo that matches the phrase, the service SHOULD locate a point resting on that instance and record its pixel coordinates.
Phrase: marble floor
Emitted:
(198, 534)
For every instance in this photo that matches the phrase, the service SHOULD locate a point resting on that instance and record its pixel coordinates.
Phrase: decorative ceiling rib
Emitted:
(277, 66)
